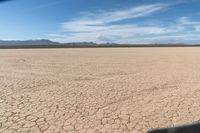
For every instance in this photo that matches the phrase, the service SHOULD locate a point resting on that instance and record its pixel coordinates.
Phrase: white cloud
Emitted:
(103, 17)
(197, 28)
(134, 12)
(115, 33)
(187, 22)
(101, 21)
(99, 27)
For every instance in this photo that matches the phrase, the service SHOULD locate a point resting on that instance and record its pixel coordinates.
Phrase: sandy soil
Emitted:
(98, 89)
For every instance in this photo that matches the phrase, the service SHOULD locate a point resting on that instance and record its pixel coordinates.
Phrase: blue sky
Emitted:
(119, 21)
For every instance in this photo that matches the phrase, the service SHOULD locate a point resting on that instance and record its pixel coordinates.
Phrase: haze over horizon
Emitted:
(114, 21)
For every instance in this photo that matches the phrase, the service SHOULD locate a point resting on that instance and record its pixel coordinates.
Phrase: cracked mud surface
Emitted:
(98, 89)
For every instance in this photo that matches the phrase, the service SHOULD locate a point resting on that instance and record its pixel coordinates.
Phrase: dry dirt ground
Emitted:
(93, 90)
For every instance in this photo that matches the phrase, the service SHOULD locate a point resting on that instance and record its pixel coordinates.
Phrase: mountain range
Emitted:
(27, 42)
(45, 43)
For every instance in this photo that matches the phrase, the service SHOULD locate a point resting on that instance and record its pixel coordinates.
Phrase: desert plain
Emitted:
(98, 90)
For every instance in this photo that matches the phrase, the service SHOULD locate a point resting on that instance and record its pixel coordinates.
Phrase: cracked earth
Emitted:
(98, 90)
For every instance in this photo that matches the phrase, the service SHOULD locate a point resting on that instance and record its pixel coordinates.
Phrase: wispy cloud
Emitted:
(188, 22)
(134, 12)
(98, 20)
(100, 27)
(197, 28)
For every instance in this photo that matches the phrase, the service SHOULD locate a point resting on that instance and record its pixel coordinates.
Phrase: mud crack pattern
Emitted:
(114, 90)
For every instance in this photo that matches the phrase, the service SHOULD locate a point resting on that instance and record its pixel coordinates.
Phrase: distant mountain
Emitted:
(27, 42)
(44, 43)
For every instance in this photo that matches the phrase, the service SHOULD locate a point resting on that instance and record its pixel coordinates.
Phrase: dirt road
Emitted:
(98, 89)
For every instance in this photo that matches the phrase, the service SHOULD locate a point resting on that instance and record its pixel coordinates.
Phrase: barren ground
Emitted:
(98, 89)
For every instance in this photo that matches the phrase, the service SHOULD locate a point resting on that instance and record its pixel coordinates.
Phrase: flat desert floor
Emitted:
(103, 90)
